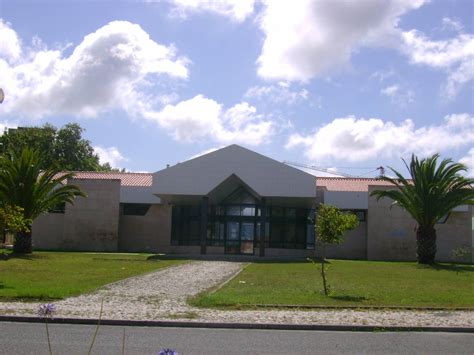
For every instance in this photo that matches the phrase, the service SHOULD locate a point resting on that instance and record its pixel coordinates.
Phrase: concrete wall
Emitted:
(91, 224)
(138, 194)
(392, 235)
(149, 233)
(455, 233)
(353, 247)
(356, 200)
(48, 231)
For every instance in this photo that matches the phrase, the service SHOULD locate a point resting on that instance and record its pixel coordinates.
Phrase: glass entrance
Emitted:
(240, 236)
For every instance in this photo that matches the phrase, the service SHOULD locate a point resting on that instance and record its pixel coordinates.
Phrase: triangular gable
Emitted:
(227, 189)
(265, 176)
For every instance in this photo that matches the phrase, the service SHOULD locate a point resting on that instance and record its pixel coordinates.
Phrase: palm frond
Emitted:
(433, 191)
(23, 184)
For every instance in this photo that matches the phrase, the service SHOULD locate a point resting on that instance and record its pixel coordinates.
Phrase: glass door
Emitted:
(246, 238)
(232, 243)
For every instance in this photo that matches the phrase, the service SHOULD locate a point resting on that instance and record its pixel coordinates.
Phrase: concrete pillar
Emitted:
(263, 220)
(203, 231)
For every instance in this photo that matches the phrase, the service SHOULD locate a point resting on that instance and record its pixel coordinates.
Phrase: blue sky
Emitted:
(335, 84)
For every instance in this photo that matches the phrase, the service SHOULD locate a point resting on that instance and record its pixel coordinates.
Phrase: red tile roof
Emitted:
(145, 180)
(126, 179)
(348, 184)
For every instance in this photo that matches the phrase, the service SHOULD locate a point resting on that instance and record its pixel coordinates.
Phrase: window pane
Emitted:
(290, 235)
(277, 211)
(247, 231)
(233, 210)
(310, 236)
(135, 209)
(59, 208)
(276, 233)
(291, 212)
(360, 216)
(232, 231)
(248, 211)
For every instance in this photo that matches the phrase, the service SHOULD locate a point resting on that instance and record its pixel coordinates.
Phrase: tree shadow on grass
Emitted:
(3, 287)
(10, 256)
(347, 298)
(449, 267)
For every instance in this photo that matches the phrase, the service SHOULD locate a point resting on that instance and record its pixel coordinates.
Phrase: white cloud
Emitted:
(313, 38)
(280, 93)
(308, 38)
(455, 56)
(107, 70)
(468, 160)
(452, 24)
(110, 155)
(204, 152)
(390, 91)
(203, 118)
(237, 10)
(10, 45)
(357, 139)
(398, 96)
(382, 75)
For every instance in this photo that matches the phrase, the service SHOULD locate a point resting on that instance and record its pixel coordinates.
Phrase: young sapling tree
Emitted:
(330, 227)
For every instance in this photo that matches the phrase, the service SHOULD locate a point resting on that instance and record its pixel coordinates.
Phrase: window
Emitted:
(59, 208)
(215, 233)
(443, 219)
(185, 225)
(233, 210)
(248, 210)
(240, 196)
(135, 209)
(288, 228)
(360, 214)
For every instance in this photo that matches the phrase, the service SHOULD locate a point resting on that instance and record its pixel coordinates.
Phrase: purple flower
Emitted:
(46, 310)
(168, 352)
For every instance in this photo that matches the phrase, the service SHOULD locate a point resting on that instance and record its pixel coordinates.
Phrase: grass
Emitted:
(56, 275)
(354, 283)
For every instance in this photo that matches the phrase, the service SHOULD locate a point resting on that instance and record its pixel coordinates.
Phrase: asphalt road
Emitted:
(28, 338)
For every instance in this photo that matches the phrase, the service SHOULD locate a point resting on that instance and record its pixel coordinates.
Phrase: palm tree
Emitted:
(433, 191)
(24, 185)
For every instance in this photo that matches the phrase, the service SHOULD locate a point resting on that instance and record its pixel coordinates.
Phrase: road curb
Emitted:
(261, 326)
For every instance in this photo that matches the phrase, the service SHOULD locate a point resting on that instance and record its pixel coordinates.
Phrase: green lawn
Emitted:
(354, 283)
(55, 275)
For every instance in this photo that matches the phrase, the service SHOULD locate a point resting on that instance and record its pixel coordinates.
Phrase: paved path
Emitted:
(25, 338)
(162, 295)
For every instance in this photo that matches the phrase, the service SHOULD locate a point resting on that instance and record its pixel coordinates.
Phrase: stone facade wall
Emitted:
(47, 231)
(392, 235)
(353, 247)
(456, 233)
(91, 224)
(149, 233)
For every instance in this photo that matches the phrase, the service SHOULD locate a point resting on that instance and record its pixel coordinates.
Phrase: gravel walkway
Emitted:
(162, 295)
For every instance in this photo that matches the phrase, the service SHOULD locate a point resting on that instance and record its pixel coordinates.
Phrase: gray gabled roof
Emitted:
(266, 176)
